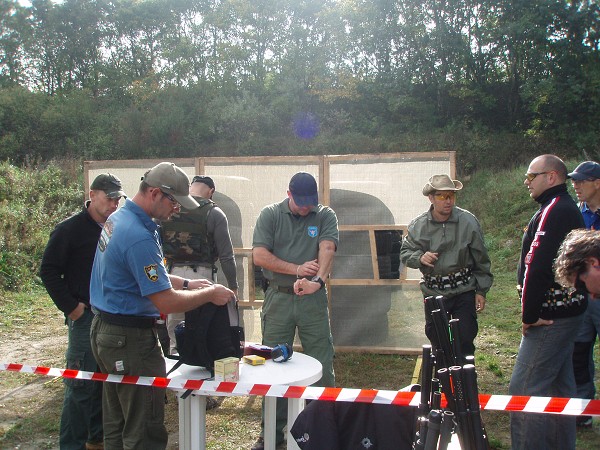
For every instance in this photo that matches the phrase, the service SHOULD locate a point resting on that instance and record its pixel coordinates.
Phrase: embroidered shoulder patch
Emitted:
(313, 231)
(151, 272)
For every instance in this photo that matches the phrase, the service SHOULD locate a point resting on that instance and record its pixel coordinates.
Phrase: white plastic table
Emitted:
(300, 370)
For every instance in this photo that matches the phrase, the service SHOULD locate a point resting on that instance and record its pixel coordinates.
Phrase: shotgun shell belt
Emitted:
(448, 281)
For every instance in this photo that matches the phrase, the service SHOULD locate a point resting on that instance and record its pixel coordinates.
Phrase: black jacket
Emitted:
(348, 426)
(68, 258)
(558, 214)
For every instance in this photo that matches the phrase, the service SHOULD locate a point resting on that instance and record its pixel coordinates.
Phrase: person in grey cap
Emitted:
(586, 182)
(65, 271)
(129, 289)
(294, 242)
(446, 244)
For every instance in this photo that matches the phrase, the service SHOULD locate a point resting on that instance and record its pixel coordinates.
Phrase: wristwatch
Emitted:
(186, 284)
(318, 280)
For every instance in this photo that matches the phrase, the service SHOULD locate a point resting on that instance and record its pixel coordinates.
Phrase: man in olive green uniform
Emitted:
(193, 241)
(294, 242)
(446, 244)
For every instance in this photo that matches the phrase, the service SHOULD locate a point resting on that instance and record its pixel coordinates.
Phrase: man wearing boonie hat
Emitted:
(294, 242)
(129, 290)
(586, 182)
(446, 244)
(65, 271)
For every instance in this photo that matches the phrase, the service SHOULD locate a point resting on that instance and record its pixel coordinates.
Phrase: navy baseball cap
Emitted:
(588, 170)
(303, 187)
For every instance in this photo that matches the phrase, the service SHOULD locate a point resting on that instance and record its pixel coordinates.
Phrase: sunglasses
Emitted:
(530, 176)
(170, 198)
(445, 196)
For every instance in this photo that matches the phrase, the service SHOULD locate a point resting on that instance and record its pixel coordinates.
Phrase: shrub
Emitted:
(32, 201)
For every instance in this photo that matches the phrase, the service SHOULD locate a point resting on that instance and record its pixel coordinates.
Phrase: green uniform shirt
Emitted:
(294, 239)
(459, 244)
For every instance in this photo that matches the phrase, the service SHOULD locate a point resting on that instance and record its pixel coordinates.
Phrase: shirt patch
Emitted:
(105, 235)
(151, 272)
(313, 231)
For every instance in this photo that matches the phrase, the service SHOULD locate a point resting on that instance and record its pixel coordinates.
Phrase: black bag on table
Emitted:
(208, 333)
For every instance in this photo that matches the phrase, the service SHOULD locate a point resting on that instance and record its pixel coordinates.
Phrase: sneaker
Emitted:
(584, 421)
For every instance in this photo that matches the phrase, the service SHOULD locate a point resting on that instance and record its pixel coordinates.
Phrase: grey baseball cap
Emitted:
(171, 179)
(108, 183)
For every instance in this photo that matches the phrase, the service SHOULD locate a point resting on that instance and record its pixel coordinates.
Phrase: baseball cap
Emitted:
(588, 170)
(108, 183)
(303, 187)
(171, 179)
(204, 179)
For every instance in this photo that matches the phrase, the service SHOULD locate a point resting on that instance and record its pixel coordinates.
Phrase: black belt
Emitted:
(128, 321)
(284, 289)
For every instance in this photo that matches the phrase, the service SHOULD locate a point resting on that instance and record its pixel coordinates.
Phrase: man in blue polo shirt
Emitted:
(586, 182)
(129, 290)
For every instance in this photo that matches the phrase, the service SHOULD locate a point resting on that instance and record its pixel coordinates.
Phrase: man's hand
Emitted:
(429, 259)
(77, 312)
(479, 303)
(303, 286)
(220, 295)
(308, 269)
(539, 323)
(200, 283)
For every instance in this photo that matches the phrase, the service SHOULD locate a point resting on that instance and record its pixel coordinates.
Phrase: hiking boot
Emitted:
(260, 445)
(584, 422)
(213, 402)
(94, 446)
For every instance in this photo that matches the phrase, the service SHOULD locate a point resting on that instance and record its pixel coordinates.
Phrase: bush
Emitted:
(32, 202)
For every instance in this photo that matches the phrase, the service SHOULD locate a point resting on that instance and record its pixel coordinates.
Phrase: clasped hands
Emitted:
(304, 272)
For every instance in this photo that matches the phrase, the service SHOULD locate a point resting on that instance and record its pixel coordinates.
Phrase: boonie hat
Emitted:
(108, 183)
(441, 183)
(303, 187)
(588, 170)
(204, 179)
(172, 180)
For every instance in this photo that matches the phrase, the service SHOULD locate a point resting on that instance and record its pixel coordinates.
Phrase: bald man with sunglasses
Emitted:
(446, 244)
(550, 313)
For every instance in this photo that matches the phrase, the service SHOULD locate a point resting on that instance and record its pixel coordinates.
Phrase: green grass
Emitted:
(503, 206)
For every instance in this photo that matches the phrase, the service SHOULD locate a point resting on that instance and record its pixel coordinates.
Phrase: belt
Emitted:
(284, 289)
(128, 321)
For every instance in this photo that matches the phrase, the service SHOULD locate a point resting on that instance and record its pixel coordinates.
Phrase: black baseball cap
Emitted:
(303, 187)
(204, 179)
(108, 183)
(588, 170)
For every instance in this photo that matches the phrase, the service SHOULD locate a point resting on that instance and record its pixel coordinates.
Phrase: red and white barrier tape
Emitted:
(555, 405)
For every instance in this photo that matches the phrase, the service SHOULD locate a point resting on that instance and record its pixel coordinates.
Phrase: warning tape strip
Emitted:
(529, 404)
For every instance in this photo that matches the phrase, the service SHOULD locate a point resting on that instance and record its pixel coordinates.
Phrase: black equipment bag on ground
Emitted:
(208, 333)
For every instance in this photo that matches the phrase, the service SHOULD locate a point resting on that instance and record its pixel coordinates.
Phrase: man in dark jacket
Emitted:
(551, 314)
(65, 271)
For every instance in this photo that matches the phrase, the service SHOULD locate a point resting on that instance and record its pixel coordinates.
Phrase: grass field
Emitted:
(31, 332)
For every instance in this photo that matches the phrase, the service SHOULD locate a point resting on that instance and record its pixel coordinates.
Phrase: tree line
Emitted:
(492, 79)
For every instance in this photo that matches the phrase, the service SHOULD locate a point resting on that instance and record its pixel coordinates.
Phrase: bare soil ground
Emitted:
(30, 405)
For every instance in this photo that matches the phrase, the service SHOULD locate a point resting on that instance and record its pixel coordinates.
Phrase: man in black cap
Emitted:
(65, 272)
(194, 239)
(586, 182)
(294, 242)
(446, 244)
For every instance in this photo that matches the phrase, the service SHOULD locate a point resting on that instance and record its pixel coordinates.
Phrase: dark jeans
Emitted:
(81, 419)
(462, 307)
